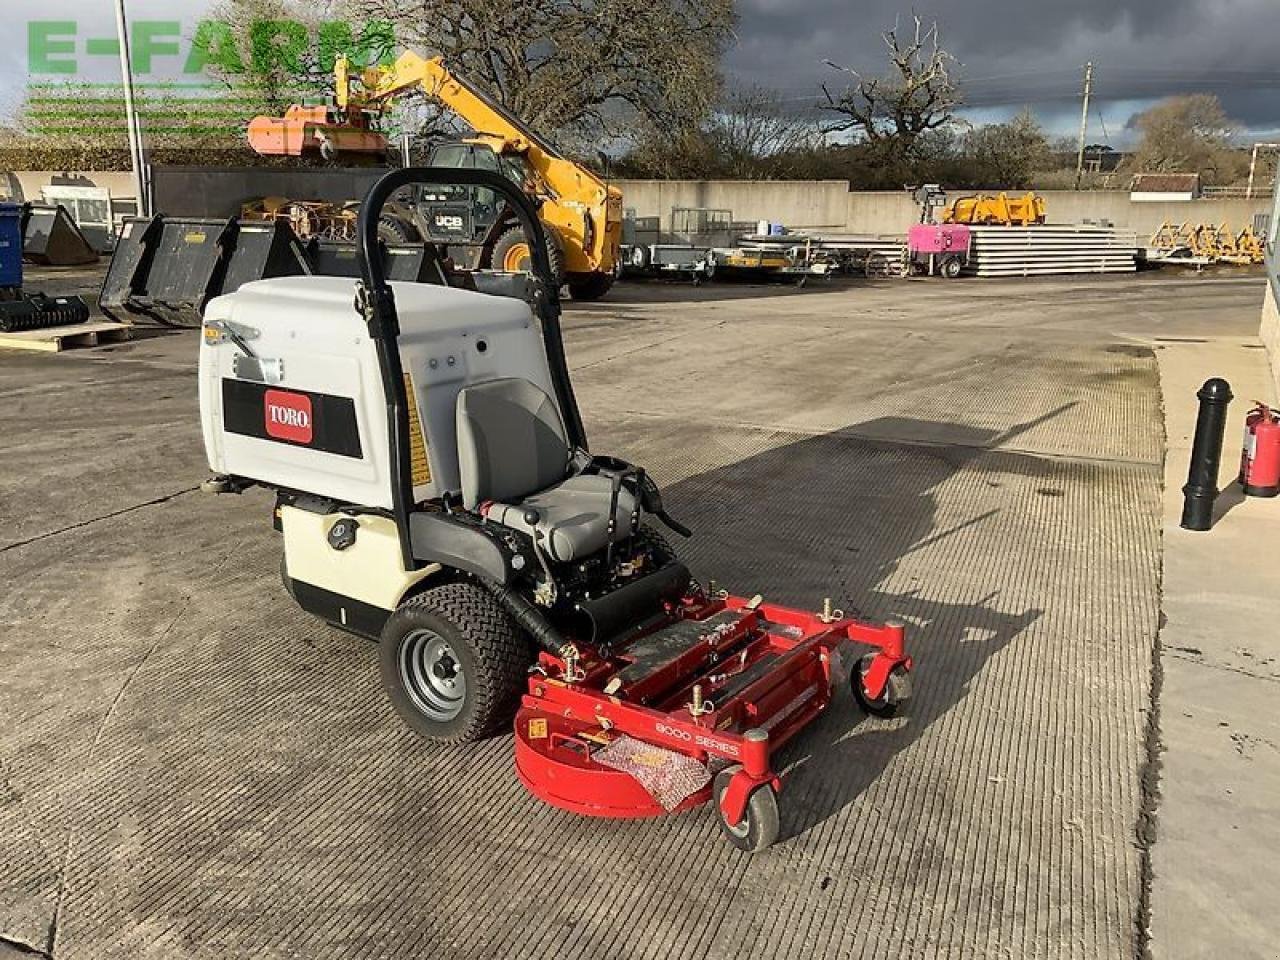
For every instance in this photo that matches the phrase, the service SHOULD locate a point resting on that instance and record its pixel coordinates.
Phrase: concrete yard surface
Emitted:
(191, 767)
(1214, 863)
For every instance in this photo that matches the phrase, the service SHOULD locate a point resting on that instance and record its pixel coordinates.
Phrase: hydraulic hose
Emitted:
(528, 618)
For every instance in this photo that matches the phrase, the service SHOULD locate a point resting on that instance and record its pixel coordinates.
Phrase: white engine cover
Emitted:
(311, 415)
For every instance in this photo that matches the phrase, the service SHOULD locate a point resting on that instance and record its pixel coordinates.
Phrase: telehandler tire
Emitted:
(511, 253)
(391, 229)
(590, 286)
(453, 663)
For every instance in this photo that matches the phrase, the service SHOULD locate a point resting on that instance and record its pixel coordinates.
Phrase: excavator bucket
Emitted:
(316, 131)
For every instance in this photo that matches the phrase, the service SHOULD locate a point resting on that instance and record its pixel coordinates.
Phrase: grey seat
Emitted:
(514, 456)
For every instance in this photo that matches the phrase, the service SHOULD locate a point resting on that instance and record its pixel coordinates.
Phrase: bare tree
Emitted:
(576, 65)
(918, 95)
(266, 51)
(753, 134)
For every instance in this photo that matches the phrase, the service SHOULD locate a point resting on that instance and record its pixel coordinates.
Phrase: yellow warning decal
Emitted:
(538, 728)
(193, 238)
(418, 462)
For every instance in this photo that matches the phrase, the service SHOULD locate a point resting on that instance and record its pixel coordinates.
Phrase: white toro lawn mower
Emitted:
(435, 492)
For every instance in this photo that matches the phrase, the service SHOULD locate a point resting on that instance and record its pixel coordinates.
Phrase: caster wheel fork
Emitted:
(758, 828)
(894, 694)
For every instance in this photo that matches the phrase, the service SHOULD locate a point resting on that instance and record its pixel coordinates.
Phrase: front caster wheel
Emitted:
(452, 663)
(758, 828)
(896, 692)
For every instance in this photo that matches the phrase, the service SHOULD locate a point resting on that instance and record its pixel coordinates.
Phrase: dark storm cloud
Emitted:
(1015, 52)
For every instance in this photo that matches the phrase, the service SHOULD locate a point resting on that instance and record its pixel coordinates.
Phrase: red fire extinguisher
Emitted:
(1260, 459)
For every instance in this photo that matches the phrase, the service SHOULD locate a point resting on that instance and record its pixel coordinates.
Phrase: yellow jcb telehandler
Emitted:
(581, 214)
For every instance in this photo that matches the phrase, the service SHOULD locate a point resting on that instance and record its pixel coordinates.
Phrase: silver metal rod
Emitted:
(130, 111)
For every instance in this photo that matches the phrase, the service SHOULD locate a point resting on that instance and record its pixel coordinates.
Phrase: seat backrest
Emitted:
(511, 441)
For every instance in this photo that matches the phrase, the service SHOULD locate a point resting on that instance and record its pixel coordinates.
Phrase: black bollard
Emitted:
(1206, 455)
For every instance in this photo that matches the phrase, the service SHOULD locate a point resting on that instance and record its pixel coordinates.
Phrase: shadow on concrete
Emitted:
(1231, 496)
(747, 287)
(836, 515)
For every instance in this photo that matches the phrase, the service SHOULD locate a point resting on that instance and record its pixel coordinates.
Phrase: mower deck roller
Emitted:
(435, 491)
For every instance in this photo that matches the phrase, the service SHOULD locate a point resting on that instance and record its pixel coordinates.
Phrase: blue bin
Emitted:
(10, 245)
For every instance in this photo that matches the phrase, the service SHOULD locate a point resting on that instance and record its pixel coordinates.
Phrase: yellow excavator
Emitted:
(581, 214)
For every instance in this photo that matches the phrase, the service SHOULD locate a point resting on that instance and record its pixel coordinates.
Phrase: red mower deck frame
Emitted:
(726, 679)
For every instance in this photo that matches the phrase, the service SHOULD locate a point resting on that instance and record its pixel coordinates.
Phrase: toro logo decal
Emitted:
(287, 416)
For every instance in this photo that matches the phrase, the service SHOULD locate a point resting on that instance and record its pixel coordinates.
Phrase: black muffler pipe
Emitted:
(639, 601)
(1206, 455)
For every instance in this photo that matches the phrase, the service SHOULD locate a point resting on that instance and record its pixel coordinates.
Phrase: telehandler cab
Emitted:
(435, 492)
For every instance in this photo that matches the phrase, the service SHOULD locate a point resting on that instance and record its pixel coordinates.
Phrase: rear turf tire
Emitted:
(659, 548)
(590, 286)
(453, 663)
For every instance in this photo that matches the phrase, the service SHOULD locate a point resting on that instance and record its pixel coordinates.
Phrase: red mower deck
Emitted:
(725, 682)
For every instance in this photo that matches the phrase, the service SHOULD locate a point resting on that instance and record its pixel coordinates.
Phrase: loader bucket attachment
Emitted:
(409, 262)
(330, 258)
(51, 238)
(260, 251)
(166, 270)
(414, 262)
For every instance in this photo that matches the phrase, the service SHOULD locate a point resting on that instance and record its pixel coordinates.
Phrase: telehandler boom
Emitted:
(582, 215)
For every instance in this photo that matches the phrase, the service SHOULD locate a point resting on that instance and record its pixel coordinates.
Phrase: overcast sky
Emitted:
(1015, 52)
(1011, 52)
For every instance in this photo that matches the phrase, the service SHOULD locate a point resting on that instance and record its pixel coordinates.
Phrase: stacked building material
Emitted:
(1050, 248)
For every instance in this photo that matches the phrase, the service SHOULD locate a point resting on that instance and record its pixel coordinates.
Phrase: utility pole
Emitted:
(130, 109)
(1084, 121)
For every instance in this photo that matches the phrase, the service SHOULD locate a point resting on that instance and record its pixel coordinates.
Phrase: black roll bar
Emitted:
(376, 303)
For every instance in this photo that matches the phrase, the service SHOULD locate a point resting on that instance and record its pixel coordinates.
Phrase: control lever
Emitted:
(531, 519)
(651, 499)
(615, 487)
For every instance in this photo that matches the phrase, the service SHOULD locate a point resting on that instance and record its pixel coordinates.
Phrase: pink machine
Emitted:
(939, 249)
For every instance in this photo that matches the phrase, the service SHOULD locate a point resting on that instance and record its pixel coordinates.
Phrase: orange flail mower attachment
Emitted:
(317, 130)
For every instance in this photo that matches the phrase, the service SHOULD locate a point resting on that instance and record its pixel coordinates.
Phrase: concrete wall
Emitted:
(829, 204)
(1270, 333)
(796, 203)
(887, 212)
(810, 204)
(23, 185)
